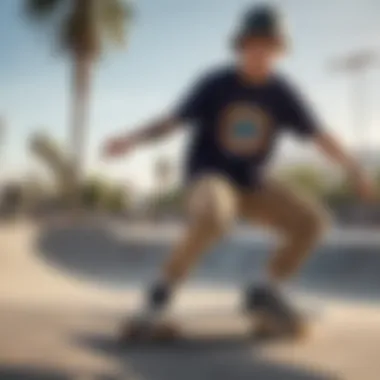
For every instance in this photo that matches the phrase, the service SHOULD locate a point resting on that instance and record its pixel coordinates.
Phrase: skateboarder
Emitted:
(238, 113)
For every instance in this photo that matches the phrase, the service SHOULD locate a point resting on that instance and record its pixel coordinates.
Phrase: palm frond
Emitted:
(83, 27)
(80, 31)
(41, 9)
(115, 18)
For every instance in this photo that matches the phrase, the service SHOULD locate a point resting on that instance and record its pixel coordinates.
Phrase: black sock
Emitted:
(249, 297)
(158, 297)
(255, 296)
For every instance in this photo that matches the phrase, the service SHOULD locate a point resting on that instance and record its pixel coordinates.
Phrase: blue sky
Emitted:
(170, 42)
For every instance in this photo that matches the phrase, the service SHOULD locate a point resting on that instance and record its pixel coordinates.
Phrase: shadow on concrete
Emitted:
(29, 373)
(229, 357)
(8, 373)
(226, 359)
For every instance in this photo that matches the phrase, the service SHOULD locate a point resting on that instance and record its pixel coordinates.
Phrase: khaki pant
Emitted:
(214, 204)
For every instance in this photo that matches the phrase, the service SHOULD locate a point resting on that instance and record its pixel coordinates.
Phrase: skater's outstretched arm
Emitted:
(155, 130)
(189, 110)
(333, 149)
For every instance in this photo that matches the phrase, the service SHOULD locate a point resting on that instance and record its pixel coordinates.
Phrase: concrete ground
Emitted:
(57, 327)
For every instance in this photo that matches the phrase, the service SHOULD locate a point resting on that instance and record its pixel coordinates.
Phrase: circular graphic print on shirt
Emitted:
(244, 129)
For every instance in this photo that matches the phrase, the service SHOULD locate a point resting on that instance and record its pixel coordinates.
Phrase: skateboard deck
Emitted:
(210, 328)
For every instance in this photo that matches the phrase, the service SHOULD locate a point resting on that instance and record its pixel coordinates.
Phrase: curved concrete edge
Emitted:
(166, 233)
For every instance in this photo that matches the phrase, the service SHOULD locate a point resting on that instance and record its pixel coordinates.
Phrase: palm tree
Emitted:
(54, 158)
(84, 29)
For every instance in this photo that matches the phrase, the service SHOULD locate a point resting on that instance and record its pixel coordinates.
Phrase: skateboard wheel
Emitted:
(132, 330)
(300, 330)
(137, 331)
(165, 332)
(270, 328)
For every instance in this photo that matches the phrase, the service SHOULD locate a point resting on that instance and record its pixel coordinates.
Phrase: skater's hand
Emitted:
(365, 187)
(363, 184)
(118, 146)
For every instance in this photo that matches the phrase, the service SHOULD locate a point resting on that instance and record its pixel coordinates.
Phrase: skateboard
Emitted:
(256, 327)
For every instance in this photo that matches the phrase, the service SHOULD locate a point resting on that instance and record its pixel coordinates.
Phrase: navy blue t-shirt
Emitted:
(237, 124)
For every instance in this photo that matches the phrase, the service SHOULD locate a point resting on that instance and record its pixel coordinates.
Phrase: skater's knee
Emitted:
(310, 223)
(315, 223)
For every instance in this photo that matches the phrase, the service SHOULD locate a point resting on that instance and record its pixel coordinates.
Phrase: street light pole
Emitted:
(2, 134)
(357, 65)
(2, 138)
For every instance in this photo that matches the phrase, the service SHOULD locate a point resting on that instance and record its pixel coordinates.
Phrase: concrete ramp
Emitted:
(345, 265)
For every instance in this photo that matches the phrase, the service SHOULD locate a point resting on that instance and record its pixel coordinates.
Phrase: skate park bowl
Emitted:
(346, 265)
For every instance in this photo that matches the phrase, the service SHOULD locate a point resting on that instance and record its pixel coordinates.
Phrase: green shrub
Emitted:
(115, 200)
(94, 193)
